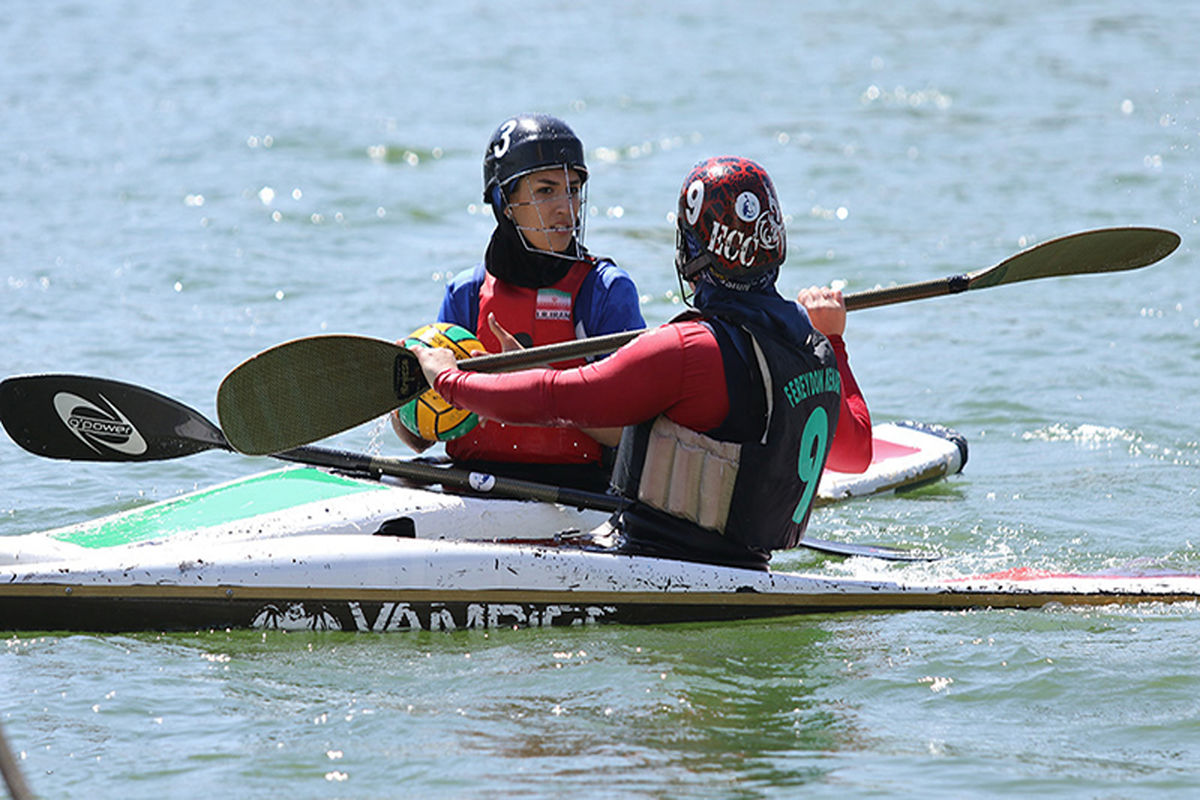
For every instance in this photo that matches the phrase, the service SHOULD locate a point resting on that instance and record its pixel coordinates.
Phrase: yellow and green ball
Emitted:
(428, 415)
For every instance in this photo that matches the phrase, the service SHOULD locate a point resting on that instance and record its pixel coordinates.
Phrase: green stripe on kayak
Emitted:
(261, 494)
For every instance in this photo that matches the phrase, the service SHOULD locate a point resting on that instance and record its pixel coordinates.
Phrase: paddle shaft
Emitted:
(872, 298)
(18, 789)
(426, 473)
(599, 345)
(482, 482)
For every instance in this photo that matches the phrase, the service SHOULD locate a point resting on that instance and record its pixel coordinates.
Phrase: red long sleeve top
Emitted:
(675, 369)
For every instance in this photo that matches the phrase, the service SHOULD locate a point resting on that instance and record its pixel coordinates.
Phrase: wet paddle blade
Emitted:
(91, 419)
(307, 389)
(1106, 250)
(1103, 250)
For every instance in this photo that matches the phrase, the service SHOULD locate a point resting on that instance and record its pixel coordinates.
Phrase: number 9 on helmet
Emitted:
(428, 415)
(729, 229)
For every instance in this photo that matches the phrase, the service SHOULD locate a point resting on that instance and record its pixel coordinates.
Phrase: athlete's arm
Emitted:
(608, 302)
(456, 309)
(670, 370)
(414, 442)
(460, 303)
(852, 443)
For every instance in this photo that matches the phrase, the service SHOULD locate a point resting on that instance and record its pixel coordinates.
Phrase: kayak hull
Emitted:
(383, 583)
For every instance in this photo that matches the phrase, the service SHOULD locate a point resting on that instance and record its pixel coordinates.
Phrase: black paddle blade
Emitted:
(81, 418)
(307, 389)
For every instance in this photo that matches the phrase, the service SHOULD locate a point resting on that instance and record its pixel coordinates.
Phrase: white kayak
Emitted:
(363, 582)
(307, 549)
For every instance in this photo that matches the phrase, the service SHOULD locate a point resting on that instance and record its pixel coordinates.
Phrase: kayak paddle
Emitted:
(309, 388)
(82, 418)
(95, 419)
(1084, 253)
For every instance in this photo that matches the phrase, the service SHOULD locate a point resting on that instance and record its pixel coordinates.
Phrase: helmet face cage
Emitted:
(729, 228)
(531, 143)
(543, 205)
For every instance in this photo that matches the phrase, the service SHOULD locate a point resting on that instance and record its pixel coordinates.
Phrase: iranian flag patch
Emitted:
(553, 304)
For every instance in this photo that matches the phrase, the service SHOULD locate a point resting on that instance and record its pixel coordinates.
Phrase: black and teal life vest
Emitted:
(783, 411)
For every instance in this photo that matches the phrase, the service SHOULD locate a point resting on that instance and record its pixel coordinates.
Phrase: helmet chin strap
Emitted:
(691, 269)
(687, 290)
(697, 260)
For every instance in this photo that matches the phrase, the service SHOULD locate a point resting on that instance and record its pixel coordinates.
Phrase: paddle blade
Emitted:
(81, 418)
(1105, 250)
(306, 389)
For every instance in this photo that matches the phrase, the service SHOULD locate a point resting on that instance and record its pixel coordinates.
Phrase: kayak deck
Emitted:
(308, 500)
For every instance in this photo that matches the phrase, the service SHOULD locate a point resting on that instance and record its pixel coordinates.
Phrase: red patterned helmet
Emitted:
(729, 226)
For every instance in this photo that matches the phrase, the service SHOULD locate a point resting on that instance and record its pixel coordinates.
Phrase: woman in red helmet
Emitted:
(731, 411)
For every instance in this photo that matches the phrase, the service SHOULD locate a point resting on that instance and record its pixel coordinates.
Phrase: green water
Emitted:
(184, 185)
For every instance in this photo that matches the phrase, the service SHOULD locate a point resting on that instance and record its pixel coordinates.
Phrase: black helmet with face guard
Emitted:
(527, 143)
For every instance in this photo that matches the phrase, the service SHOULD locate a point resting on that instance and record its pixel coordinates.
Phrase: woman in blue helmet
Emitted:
(732, 410)
(537, 285)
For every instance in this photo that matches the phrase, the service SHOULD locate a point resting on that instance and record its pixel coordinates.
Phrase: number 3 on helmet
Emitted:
(428, 415)
(525, 144)
(729, 229)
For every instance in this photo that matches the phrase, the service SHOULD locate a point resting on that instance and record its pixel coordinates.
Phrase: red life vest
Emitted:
(546, 316)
